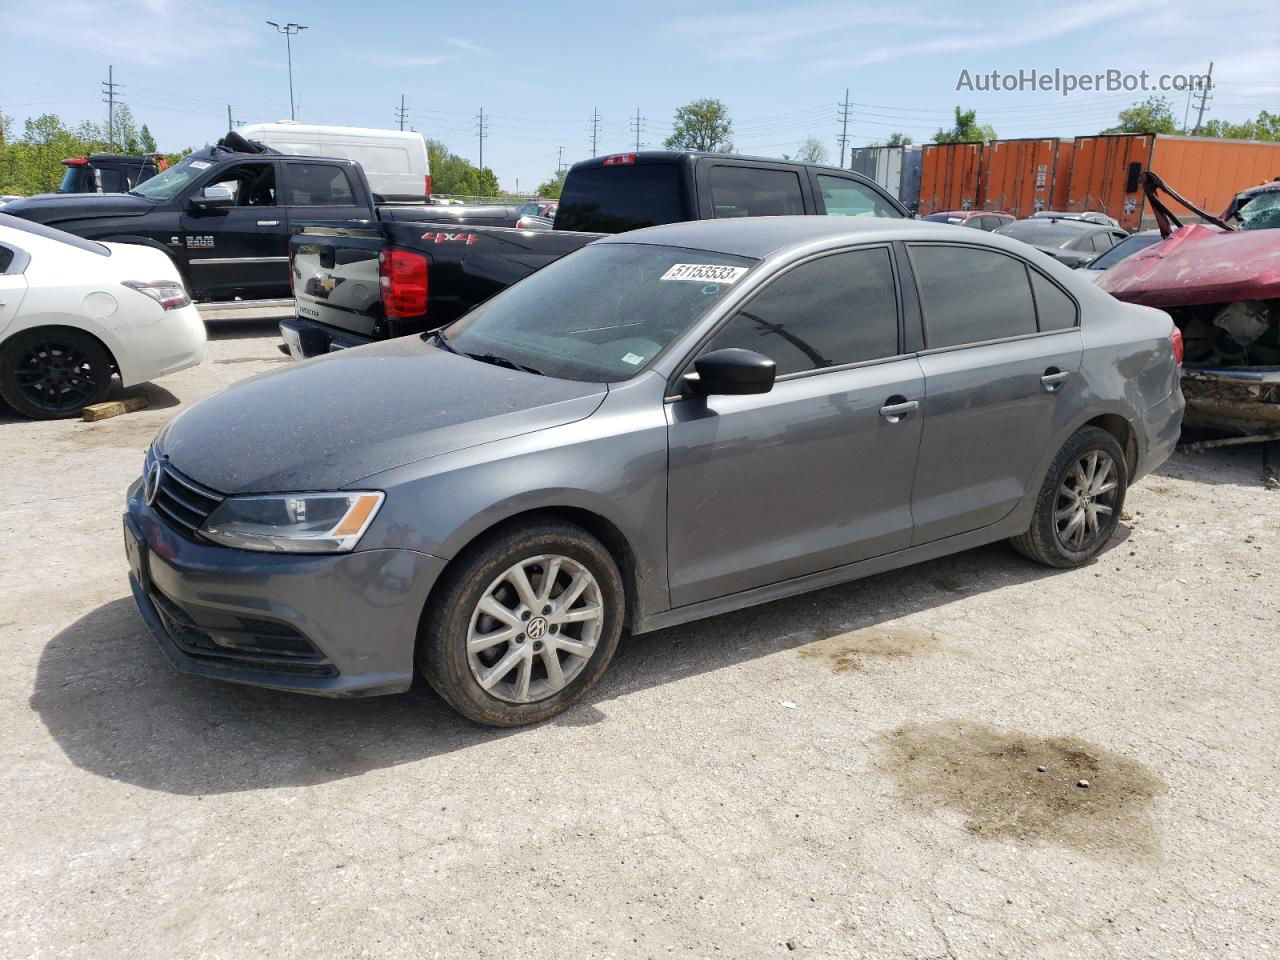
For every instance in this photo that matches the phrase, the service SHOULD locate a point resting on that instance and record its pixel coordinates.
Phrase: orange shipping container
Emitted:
(1018, 176)
(950, 177)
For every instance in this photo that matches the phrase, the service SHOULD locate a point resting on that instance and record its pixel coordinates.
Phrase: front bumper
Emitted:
(335, 625)
(307, 338)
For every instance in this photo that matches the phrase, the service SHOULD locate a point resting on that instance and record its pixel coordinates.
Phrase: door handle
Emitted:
(268, 223)
(1054, 378)
(898, 409)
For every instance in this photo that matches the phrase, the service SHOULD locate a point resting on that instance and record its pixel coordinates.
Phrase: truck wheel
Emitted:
(1080, 502)
(52, 373)
(523, 625)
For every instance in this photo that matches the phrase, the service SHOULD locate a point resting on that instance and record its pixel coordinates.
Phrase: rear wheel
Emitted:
(523, 626)
(53, 373)
(1080, 502)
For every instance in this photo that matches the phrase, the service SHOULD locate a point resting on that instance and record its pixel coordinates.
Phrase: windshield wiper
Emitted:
(498, 361)
(442, 340)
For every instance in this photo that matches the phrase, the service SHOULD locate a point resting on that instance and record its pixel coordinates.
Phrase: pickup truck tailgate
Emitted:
(335, 278)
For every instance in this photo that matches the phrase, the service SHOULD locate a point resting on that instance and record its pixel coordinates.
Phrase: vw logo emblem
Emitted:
(537, 628)
(151, 485)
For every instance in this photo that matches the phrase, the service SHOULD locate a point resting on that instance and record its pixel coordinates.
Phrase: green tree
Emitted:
(146, 140)
(702, 125)
(1266, 127)
(966, 129)
(899, 139)
(452, 174)
(1152, 115)
(124, 131)
(812, 150)
(551, 188)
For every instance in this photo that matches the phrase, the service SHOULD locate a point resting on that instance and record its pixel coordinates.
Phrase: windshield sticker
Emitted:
(702, 272)
(201, 164)
(632, 358)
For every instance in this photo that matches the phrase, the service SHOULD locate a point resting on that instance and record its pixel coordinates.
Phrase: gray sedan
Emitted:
(666, 425)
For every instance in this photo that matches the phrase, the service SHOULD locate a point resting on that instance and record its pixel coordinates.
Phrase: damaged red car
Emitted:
(1220, 281)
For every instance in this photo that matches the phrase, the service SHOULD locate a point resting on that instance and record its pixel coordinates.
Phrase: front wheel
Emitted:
(524, 625)
(1080, 502)
(53, 373)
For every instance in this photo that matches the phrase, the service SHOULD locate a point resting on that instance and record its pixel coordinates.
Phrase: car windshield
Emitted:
(167, 185)
(600, 314)
(1125, 248)
(1044, 233)
(1261, 212)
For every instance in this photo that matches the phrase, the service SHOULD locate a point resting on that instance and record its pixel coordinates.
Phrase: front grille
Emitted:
(183, 502)
(216, 636)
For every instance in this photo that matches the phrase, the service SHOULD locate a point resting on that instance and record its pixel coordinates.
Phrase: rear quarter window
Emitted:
(1054, 309)
(971, 295)
(754, 192)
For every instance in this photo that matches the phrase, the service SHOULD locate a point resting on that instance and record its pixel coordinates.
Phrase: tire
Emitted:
(457, 652)
(54, 372)
(1053, 538)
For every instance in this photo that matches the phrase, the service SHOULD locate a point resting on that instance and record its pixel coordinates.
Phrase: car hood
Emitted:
(325, 423)
(1199, 264)
(57, 207)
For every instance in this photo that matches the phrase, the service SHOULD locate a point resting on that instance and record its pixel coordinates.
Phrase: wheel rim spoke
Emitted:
(519, 654)
(1086, 499)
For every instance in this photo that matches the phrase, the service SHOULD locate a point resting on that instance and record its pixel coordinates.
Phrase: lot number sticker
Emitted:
(704, 272)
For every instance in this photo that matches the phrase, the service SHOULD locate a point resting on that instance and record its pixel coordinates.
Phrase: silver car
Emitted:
(666, 425)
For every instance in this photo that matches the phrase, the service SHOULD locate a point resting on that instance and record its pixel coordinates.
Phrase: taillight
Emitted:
(76, 161)
(1176, 339)
(170, 294)
(427, 180)
(402, 278)
(620, 160)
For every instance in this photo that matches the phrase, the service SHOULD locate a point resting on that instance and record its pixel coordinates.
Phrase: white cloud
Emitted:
(463, 44)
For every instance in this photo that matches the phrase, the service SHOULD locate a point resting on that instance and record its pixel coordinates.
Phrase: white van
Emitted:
(394, 161)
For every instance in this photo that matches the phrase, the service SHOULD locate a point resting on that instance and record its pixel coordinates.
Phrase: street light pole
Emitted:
(289, 29)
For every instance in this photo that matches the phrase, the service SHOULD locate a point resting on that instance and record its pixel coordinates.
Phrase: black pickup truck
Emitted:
(398, 275)
(224, 214)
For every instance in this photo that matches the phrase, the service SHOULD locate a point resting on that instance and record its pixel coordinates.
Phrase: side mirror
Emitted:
(731, 372)
(212, 198)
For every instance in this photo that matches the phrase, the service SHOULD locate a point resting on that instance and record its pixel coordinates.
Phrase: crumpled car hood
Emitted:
(1199, 264)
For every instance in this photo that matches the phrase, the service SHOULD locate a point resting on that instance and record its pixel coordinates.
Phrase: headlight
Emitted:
(293, 522)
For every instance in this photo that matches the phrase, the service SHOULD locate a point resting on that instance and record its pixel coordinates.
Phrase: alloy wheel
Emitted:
(1086, 500)
(535, 628)
(56, 375)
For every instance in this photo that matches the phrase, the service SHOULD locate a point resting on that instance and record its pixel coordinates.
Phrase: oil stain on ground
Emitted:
(858, 649)
(995, 779)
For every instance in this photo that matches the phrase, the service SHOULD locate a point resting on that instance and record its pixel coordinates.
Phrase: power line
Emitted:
(109, 88)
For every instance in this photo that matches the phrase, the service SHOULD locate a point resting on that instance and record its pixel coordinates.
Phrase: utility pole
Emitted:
(559, 160)
(595, 129)
(844, 128)
(1205, 94)
(483, 131)
(230, 125)
(289, 29)
(638, 123)
(400, 114)
(109, 89)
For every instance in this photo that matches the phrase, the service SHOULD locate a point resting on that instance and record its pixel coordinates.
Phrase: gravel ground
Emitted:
(852, 773)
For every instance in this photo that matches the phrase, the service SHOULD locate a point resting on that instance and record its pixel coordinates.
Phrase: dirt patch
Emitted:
(995, 779)
(857, 650)
(125, 431)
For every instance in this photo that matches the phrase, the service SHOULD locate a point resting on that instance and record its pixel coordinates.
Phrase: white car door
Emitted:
(13, 285)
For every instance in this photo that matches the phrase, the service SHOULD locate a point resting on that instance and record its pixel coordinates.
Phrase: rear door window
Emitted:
(754, 191)
(842, 197)
(971, 295)
(318, 185)
(835, 310)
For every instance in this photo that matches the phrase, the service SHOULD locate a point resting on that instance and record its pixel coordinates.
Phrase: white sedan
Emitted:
(75, 313)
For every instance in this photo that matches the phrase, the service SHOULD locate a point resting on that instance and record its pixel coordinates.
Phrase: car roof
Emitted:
(758, 237)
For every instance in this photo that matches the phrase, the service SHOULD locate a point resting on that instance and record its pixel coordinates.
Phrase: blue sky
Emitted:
(539, 69)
